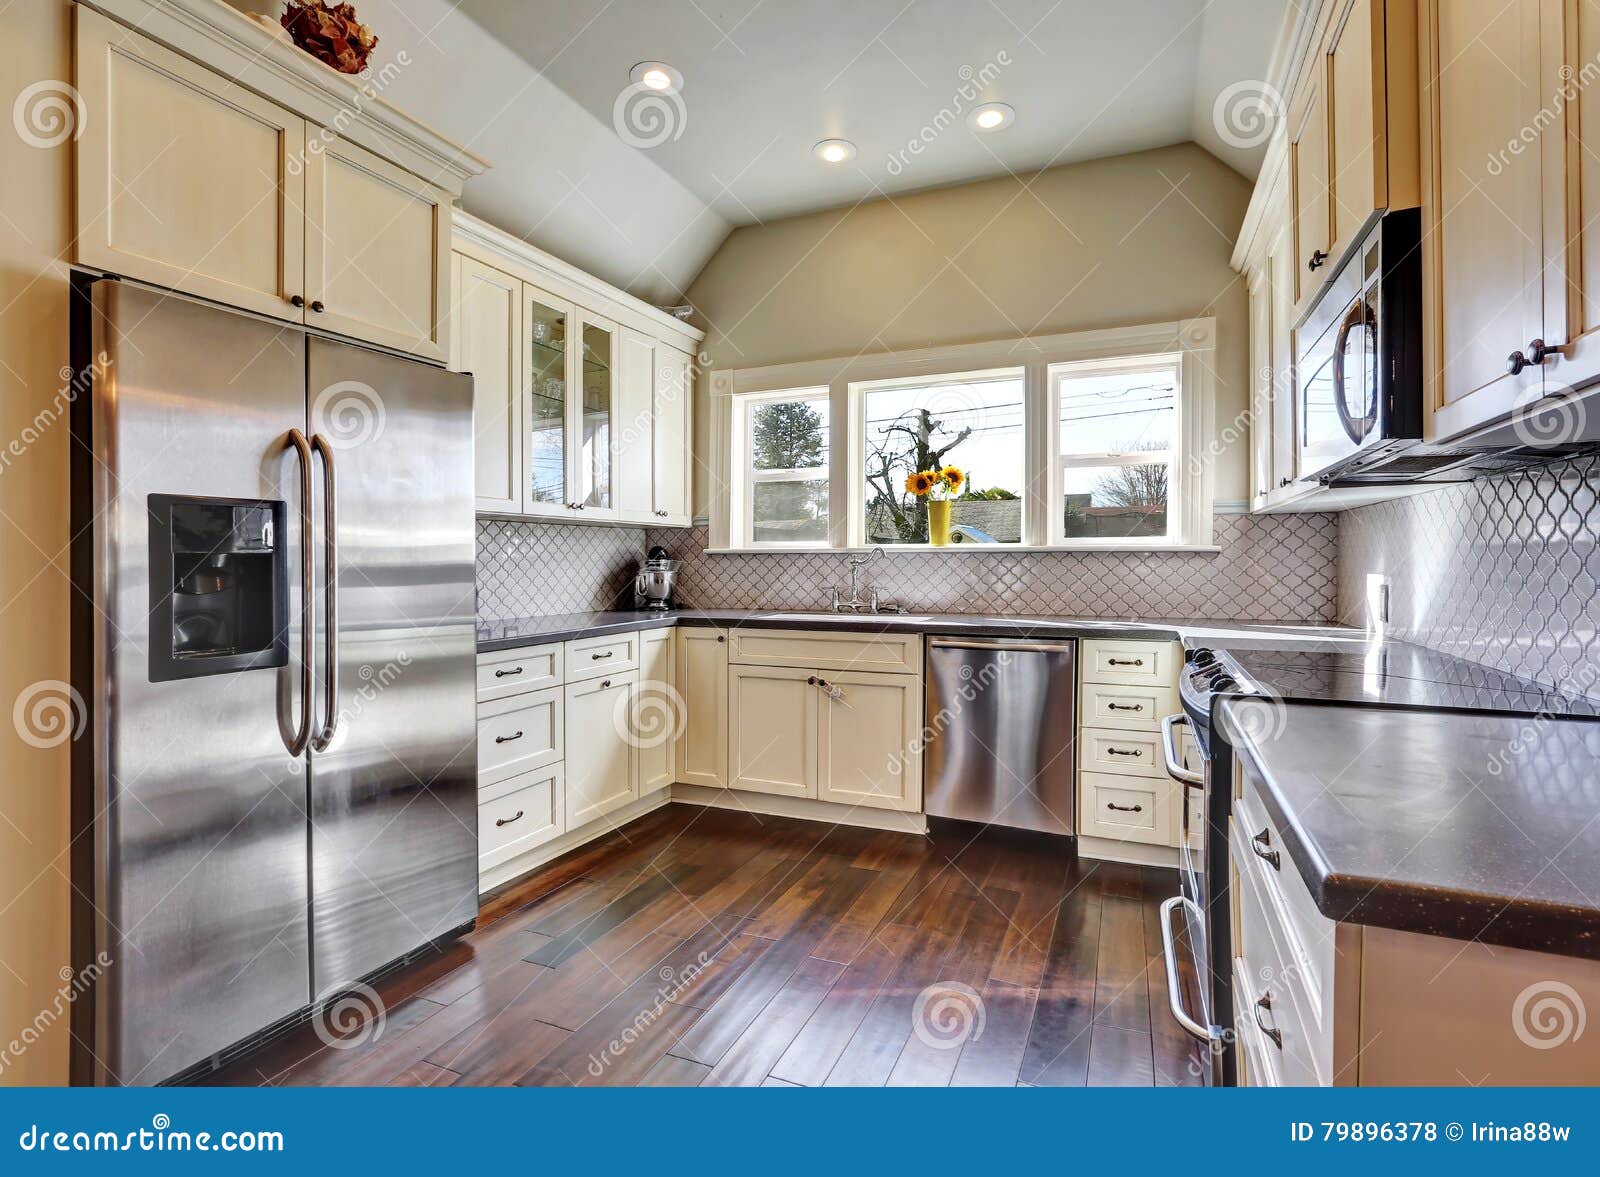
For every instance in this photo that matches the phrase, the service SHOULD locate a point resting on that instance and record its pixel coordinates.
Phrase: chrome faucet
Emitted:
(855, 604)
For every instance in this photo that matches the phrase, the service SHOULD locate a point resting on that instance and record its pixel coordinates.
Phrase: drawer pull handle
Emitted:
(1262, 845)
(602, 657)
(507, 739)
(1272, 1032)
(1123, 752)
(604, 683)
(505, 821)
(1124, 662)
(507, 673)
(1124, 706)
(1124, 808)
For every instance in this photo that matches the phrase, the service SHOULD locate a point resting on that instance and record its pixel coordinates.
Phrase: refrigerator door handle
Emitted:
(330, 590)
(297, 746)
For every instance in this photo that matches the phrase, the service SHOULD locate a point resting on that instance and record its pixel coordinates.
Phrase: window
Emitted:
(1117, 443)
(1100, 439)
(973, 421)
(784, 439)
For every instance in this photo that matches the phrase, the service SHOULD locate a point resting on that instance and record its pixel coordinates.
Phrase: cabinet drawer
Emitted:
(1125, 753)
(1304, 936)
(516, 672)
(890, 652)
(518, 814)
(1133, 663)
(1127, 708)
(519, 733)
(595, 657)
(1271, 1005)
(1129, 809)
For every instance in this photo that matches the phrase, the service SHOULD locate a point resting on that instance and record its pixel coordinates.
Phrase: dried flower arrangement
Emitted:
(330, 33)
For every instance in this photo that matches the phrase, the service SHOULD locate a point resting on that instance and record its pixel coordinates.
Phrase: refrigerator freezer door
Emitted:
(198, 807)
(394, 859)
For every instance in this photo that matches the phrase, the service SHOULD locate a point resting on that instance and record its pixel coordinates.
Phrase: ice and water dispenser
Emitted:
(218, 586)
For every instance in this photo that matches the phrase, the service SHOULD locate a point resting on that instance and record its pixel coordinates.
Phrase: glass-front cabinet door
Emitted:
(547, 336)
(595, 431)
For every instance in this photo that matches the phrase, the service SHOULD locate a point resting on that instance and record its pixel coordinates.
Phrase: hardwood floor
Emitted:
(706, 947)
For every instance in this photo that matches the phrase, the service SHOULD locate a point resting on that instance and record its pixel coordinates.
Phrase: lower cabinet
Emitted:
(659, 711)
(702, 676)
(869, 740)
(600, 759)
(519, 814)
(772, 726)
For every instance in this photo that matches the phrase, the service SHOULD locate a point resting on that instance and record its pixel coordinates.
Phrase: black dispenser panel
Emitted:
(218, 586)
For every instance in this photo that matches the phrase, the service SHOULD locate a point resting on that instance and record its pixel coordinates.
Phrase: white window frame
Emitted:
(1193, 484)
(1178, 490)
(748, 477)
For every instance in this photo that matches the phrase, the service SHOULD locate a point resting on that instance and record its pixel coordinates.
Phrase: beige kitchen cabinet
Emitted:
(1320, 1003)
(772, 730)
(869, 740)
(671, 438)
(189, 180)
(1308, 180)
(702, 676)
(545, 358)
(184, 178)
(1491, 206)
(594, 450)
(601, 422)
(486, 342)
(660, 711)
(1353, 139)
(600, 764)
(377, 250)
(636, 362)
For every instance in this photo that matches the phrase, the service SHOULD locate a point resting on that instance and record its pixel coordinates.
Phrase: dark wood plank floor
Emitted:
(705, 947)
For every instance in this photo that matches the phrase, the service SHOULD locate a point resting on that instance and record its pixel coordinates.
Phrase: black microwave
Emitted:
(1358, 355)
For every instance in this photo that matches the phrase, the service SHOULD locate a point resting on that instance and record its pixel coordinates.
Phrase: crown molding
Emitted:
(255, 55)
(494, 246)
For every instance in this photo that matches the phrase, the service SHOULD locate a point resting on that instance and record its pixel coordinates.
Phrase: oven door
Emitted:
(1184, 940)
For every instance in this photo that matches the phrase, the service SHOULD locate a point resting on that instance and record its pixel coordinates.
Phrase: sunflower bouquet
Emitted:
(937, 485)
(939, 488)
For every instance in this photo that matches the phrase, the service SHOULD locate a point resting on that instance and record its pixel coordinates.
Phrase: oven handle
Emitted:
(1169, 952)
(1169, 749)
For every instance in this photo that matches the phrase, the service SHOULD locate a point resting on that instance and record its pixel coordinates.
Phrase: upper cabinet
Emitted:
(1352, 132)
(223, 183)
(584, 407)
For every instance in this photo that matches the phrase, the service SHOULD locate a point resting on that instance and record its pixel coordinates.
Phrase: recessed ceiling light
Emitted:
(834, 150)
(991, 116)
(656, 75)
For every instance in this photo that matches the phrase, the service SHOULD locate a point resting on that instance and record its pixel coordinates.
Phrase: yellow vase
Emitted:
(939, 522)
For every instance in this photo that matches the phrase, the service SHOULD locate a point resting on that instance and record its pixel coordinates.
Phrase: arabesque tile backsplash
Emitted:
(1504, 571)
(1271, 568)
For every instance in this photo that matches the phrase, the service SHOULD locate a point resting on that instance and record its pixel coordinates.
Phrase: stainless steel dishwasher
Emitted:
(1001, 723)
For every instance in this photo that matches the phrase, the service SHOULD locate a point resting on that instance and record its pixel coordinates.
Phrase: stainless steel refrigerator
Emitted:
(275, 796)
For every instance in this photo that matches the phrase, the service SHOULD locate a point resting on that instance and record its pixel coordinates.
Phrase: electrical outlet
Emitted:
(1377, 600)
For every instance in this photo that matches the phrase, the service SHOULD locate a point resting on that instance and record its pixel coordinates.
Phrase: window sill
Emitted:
(970, 549)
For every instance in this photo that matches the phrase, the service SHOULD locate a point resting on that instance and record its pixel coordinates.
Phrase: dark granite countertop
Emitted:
(513, 632)
(1471, 826)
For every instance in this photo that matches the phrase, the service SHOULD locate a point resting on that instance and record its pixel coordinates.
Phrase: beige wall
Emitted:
(34, 241)
(1134, 239)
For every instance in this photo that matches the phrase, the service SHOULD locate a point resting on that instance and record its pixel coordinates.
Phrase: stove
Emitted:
(1337, 672)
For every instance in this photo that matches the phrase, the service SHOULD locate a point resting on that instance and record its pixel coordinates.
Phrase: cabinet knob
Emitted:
(297, 301)
(316, 306)
(1284, 481)
(1318, 257)
(1518, 361)
(720, 638)
(1538, 352)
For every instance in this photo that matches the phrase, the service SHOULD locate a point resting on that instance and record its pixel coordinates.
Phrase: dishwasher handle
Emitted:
(999, 646)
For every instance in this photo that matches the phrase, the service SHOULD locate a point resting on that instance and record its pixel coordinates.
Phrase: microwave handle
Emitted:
(1360, 315)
